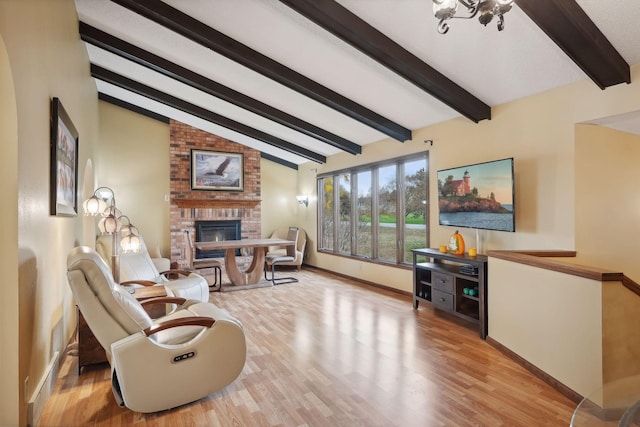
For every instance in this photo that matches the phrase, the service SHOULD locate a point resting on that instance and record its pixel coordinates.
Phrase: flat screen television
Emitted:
(478, 196)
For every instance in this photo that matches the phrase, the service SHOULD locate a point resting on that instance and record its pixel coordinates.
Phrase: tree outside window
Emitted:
(359, 213)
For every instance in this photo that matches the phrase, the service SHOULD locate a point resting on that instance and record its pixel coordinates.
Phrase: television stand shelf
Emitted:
(439, 281)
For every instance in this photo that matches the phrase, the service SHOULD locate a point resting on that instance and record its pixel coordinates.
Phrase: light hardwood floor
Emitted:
(331, 352)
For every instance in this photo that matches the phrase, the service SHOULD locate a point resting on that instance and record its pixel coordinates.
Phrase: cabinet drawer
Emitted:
(444, 282)
(442, 300)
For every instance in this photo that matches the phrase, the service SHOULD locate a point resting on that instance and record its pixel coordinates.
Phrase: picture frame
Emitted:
(479, 196)
(217, 170)
(63, 195)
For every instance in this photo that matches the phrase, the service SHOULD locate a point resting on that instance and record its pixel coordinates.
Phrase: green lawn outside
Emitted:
(414, 239)
(389, 219)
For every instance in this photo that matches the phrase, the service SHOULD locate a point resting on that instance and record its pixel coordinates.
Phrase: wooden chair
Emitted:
(200, 263)
(272, 260)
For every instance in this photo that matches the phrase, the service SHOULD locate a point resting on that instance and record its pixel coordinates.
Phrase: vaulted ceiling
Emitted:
(300, 80)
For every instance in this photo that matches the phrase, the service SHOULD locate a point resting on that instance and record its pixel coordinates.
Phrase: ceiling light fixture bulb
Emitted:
(486, 10)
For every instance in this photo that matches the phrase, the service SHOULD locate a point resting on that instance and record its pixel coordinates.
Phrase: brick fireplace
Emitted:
(189, 206)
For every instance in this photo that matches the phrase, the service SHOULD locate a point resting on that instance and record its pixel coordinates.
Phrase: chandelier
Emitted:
(487, 9)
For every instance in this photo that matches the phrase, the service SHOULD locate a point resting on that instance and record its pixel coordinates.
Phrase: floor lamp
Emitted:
(103, 203)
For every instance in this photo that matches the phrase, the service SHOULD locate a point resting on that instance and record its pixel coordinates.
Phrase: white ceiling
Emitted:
(496, 67)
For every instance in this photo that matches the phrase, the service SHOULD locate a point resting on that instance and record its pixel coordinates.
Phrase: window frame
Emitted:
(373, 168)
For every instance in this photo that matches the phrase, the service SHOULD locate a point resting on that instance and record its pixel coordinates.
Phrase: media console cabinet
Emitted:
(441, 278)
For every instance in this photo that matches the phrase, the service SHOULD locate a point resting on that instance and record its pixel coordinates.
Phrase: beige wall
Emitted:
(607, 199)
(621, 335)
(607, 203)
(9, 378)
(538, 132)
(552, 320)
(581, 332)
(133, 160)
(47, 59)
(278, 193)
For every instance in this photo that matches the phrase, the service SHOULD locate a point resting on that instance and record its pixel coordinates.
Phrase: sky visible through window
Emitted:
(386, 175)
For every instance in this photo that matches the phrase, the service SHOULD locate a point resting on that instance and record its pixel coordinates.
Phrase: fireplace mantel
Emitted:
(217, 204)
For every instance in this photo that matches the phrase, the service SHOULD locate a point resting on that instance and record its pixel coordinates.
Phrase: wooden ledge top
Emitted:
(541, 259)
(216, 204)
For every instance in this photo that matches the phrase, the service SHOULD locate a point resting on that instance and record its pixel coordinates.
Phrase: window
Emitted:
(326, 214)
(386, 212)
(363, 214)
(377, 211)
(415, 207)
(344, 212)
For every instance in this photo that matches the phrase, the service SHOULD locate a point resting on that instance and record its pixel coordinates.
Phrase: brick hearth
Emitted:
(188, 205)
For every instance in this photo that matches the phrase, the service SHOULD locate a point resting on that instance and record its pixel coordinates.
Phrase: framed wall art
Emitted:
(63, 197)
(215, 170)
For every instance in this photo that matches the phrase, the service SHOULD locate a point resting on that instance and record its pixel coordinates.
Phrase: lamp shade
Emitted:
(129, 244)
(129, 230)
(126, 228)
(109, 225)
(94, 206)
(445, 9)
(486, 12)
(503, 6)
(112, 211)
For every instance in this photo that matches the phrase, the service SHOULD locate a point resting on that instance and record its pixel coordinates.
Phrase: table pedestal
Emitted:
(251, 275)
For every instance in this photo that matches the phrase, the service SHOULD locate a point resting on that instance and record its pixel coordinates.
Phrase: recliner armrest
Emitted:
(206, 322)
(184, 273)
(164, 300)
(138, 282)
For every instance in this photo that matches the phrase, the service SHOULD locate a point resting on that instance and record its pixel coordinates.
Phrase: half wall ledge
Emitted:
(574, 326)
(538, 258)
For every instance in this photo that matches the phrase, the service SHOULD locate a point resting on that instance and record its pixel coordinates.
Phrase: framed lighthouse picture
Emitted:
(478, 196)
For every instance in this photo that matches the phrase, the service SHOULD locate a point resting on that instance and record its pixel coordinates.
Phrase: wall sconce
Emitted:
(303, 200)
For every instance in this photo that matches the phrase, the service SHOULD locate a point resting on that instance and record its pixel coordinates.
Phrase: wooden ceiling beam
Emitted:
(574, 32)
(347, 26)
(140, 56)
(197, 111)
(131, 107)
(278, 160)
(189, 27)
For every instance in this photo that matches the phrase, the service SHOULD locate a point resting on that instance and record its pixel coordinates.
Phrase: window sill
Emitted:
(407, 266)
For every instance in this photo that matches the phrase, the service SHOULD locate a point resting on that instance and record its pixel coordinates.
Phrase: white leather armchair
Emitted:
(139, 269)
(158, 364)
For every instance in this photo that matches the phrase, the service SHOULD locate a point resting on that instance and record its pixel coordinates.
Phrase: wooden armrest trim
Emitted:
(207, 322)
(164, 300)
(176, 271)
(138, 282)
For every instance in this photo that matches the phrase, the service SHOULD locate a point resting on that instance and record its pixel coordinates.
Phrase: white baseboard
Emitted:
(43, 391)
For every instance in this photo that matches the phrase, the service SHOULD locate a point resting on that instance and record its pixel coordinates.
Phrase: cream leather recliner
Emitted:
(139, 268)
(158, 364)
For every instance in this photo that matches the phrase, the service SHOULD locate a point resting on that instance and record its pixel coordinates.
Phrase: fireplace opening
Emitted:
(214, 231)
